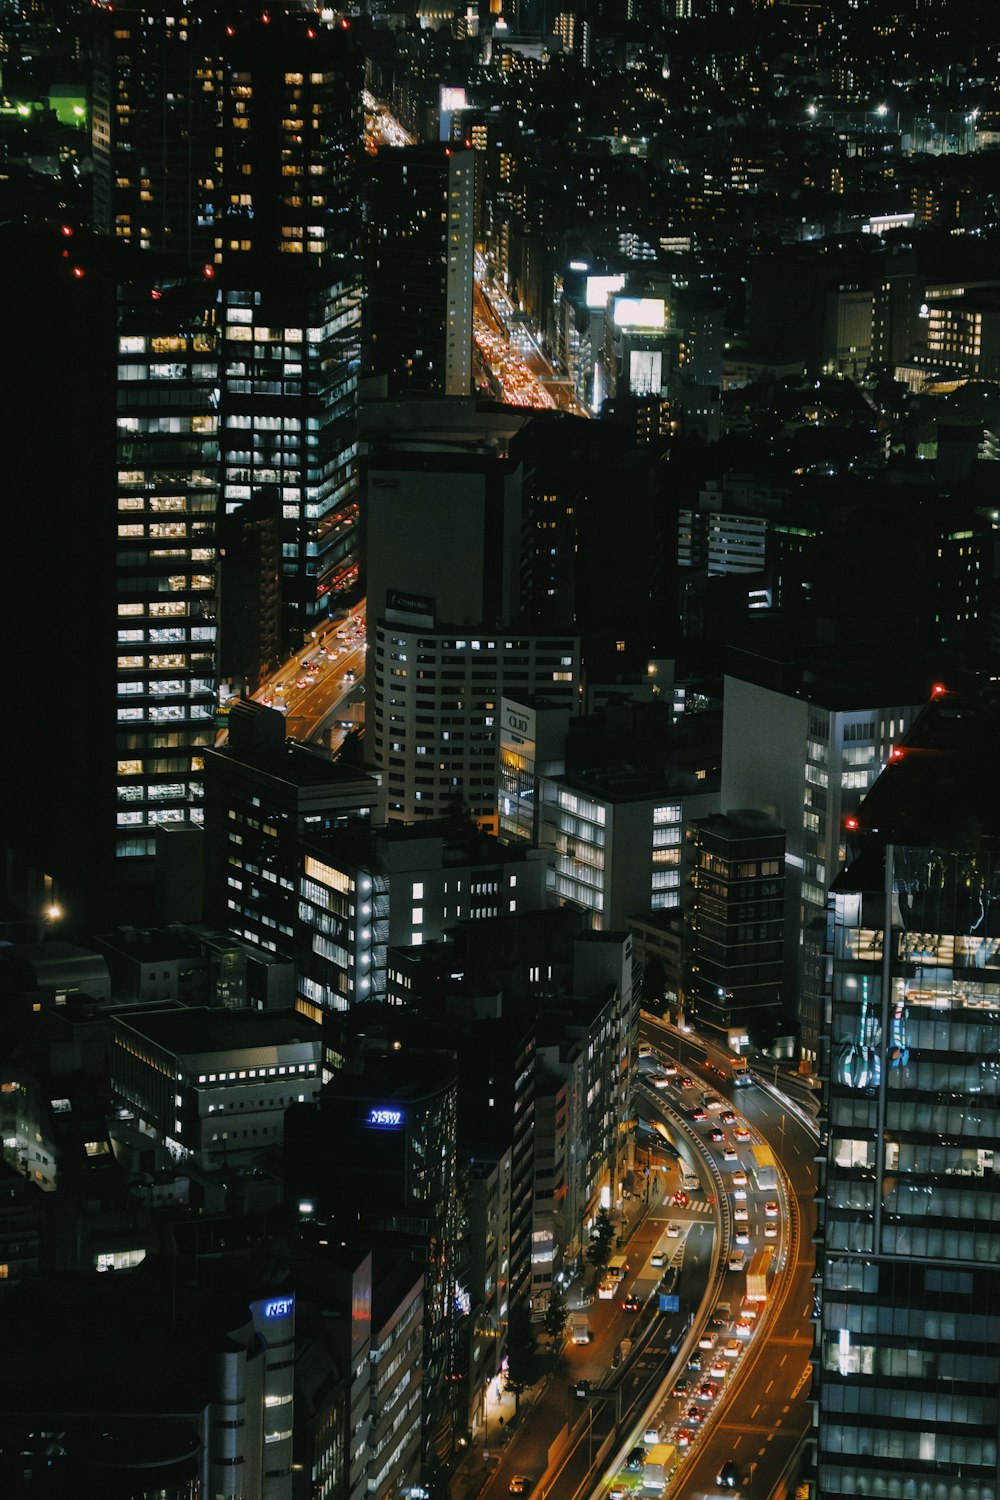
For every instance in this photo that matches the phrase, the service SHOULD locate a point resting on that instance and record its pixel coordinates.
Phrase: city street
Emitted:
(746, 1403)
(320, 689)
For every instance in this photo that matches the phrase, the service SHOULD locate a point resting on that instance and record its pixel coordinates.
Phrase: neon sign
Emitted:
(385, 1119)
(279, 1307)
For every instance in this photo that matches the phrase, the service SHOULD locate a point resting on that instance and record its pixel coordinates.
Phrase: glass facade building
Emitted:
(908, 1348)
(167, 491)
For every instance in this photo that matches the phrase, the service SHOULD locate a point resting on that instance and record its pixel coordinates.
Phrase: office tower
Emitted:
(618, 836)
(435, 729)
(361, 892)
(289, 102)
(832, 721)
(908, 1259)
(264, 797)
(153, 128)
(392, 1129)
(419, 269)
(443, 546)
(165, 554)
(233, 140)
(443, 517)
(736, 924)
(120, 513)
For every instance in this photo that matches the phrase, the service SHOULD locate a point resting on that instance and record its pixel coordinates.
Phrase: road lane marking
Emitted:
(755, 1411)
(768, 1386)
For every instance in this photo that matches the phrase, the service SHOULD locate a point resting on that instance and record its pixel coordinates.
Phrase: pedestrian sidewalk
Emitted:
(492, 1439)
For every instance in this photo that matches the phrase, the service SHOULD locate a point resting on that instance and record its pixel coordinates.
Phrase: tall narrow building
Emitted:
(232, 140)
(165, 554)
(419, 269)
(908, 1347)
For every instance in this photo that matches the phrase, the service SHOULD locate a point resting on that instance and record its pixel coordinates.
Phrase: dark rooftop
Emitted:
(198, 1029)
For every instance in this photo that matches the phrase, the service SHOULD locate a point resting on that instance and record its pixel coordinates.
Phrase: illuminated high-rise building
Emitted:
(908, 1261)
(232, 141)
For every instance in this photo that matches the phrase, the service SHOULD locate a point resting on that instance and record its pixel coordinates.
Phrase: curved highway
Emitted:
(762, 1425)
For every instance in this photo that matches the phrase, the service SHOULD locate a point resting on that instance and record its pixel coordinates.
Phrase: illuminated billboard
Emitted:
(598, 288)
(644, 371)
(452, 100)
(640, 312)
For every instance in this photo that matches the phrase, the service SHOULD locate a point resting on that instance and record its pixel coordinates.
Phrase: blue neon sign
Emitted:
(279, 1307)
(385, 1119)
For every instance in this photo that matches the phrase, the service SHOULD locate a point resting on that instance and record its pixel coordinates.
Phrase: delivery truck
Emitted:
(759, 1274)
(764, 1168)
(659, 1465)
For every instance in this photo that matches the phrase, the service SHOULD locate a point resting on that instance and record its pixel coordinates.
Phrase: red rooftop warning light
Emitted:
(938, 689)
(850, 824)
(896, 753)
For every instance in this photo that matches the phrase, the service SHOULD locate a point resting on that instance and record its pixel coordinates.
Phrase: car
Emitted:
(708, 1390)
(673, 1231)
(771, 1231)
(717, 1322)
(716, 1135)
(741, 1133)
(645, 1050)
(581, 1389)
(520, 1484)
(619, 1491)
(739, 1178)
(707, 1340)
(770, 1210)
(683, 1437)
(728, 1118)
(712, 1101)
(728, 1476)
(741, 1213)
(732, 1349)
(694, 1415)
(658, 1080)
(684, 1082)
(305, 662)
(653, 1434)
(729, 1154)
(350, 675)
(635, 1459)
(680, 1200)
(742, 1328)
(658, 1258)
(694, 1363)
(630, 1304)
(742, 1236)
(740, 1194)
(670, 1069)
(717, 1368)
(698, 1113)
(681, 1388)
